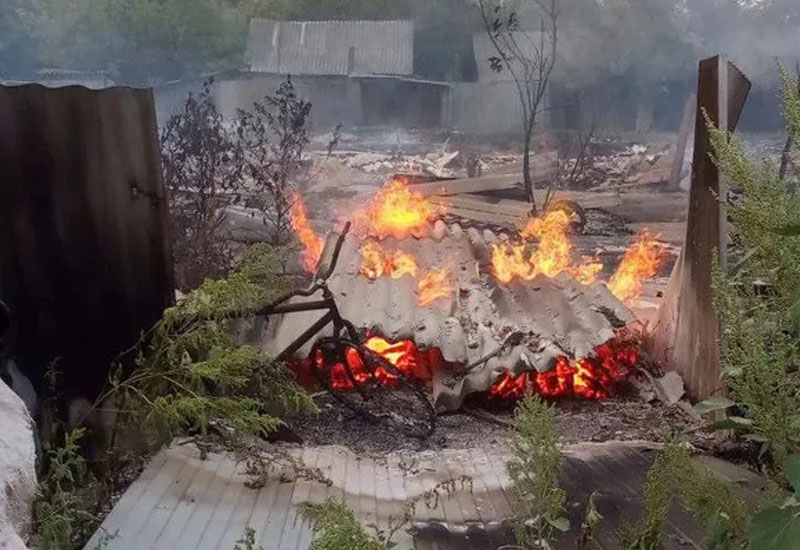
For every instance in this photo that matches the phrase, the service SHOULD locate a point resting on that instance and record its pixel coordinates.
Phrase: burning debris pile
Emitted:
(476, 311)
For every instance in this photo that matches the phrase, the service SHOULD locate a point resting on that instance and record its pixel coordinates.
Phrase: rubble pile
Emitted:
(630, 167)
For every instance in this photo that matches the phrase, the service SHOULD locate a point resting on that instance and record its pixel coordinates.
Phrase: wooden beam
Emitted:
(543, 168)
(684, 132)
(687, 334)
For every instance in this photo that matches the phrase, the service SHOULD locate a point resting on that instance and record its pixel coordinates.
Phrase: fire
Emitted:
(396, 210)
(404, 354)
(434, 285)
(641, 261)
(395, 263)
(553, 255)
(312, 243)
(592, 377)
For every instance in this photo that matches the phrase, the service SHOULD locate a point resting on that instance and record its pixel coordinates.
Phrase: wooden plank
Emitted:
(81, 201)
(620, 465)
(521, 209)
(351, 484)
(687, 332)
(684, 131)
(542, 170)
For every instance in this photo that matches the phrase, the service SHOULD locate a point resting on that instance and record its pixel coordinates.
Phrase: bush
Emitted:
(273, 136)
(757, 298)
(191, 372)
(534, 472)
(202, 165)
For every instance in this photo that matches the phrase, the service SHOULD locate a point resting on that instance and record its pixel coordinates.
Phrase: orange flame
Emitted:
(396, 210)
(404, 354)
(553, 255)
(376, 262)
(641, 261)
(434, 285)
(312, 243)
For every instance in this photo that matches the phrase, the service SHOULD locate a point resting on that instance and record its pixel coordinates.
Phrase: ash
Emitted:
(624, 417)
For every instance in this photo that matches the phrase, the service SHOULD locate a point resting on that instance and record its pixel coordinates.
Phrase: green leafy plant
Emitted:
(202, 164)
(758, 299)
(777, 527)
(62, 514)
(335, 527)
(707, 497)
(191, 371)
(539, 501)
(248, 541)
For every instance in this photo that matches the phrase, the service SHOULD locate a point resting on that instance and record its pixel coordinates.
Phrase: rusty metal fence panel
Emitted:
(85, 262)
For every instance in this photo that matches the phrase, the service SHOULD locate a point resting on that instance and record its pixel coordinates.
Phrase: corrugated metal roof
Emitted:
(484, 50)
(559, 315)
(324, 47)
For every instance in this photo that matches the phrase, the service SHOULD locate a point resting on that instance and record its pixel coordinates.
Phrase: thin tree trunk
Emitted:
(526, 167)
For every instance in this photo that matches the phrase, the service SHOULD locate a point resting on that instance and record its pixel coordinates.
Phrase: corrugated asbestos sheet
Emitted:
(559, 316)
(182, 502)
(324, 47)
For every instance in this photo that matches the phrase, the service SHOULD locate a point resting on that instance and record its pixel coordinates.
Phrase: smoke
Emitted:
(624, 48)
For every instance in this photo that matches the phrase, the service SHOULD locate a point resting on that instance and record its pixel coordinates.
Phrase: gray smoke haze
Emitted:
(623, 48)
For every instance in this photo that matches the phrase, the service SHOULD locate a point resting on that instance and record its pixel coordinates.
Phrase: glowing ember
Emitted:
(395, 263)
(553, 255)
(404, 355)
(312, 243)
(595, 377)
(396, 210)
(434, 285)
(641, 261)
(592, 377)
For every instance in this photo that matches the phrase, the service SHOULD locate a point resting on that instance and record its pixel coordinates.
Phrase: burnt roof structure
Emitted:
(331, 47)
(558, 316)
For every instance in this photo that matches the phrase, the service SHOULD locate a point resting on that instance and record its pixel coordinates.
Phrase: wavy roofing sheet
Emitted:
(324, 47)
(558, 316)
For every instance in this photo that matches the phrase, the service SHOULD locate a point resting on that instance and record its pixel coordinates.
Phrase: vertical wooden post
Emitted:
(688, 333)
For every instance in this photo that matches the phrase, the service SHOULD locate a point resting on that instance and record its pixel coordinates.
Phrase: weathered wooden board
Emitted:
(687, 334)
(543, 168)
(84, 256)
(684, 131)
